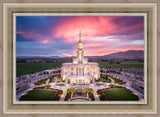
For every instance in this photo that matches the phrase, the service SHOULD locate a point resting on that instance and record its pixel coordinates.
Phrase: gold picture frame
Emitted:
(9, 12)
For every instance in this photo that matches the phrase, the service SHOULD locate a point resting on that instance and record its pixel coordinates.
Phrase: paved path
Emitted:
(65, 89)
(95, 93)
(140, 96)
(25, 91)
(63, 95)
(96, 96)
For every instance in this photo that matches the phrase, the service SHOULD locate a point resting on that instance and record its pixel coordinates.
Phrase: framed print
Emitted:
(80, 79)
(80, 58)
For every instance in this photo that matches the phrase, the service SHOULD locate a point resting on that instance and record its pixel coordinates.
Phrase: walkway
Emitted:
(96, 95)
(140, 96)
(63, 95)
(23, 92)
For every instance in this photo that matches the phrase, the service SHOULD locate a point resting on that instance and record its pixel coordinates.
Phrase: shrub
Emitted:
(57, 96)
(68, 96)
(102, 96)
(91, 96)
(71, 90)
(89, 90)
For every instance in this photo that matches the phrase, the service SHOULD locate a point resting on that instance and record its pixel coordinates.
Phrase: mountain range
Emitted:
(130, 54)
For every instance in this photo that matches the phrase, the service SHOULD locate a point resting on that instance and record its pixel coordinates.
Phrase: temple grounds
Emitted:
(120, 94)
(38, 95)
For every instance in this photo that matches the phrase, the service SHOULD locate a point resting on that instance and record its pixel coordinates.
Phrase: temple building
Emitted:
(80, 71)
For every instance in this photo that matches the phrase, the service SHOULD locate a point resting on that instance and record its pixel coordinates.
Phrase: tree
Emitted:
(89, 90)
(70, 90)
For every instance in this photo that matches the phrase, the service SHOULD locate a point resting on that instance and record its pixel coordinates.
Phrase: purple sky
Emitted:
(59, 35)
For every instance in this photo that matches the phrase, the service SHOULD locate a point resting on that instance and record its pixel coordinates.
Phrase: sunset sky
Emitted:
(59, 35)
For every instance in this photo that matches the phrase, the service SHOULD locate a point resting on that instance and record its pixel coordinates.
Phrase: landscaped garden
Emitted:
(68, 96)
(116, 86)
(120, 94)
(38, 95)
(51, 79)
(58, 95)
(105, 78)
(101, 95)
(91, 96)
(90, 93)
(43, 81)
(79, 93)
(69, 93)
(118, 81)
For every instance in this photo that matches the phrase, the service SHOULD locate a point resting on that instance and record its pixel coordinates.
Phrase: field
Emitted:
(121, 94)
(26, 68)
(38, 95)
(129, 65)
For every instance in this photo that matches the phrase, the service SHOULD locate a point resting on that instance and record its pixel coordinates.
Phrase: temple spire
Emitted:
(80, 36)
(80, 42)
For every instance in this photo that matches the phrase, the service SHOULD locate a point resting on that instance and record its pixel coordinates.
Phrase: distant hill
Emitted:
(38, 57)
(54, 57)
(130, 54)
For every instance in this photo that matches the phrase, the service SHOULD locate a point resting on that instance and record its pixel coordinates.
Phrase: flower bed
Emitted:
(91, 96)
(102, 96)
(116, 86)
(57, 96)
(68, 96)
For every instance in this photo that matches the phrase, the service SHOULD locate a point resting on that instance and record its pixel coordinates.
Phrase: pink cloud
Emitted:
(89, 26)
(68, 54)
(93, 45)
(104, 51)
(34, 36)
(97, 35)
(44, 41)
(133, 27)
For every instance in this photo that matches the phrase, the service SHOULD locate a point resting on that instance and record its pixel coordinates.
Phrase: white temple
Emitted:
(80, 71)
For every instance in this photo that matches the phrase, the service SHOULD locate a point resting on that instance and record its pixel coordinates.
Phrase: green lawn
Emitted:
(118, 81)
(26, 68)
(104, 78)
(129, 65)
(38, 95)
(121, 94)
(43, 81)
(54, 76)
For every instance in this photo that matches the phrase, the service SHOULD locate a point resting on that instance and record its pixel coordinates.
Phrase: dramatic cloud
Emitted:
(58, 35)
